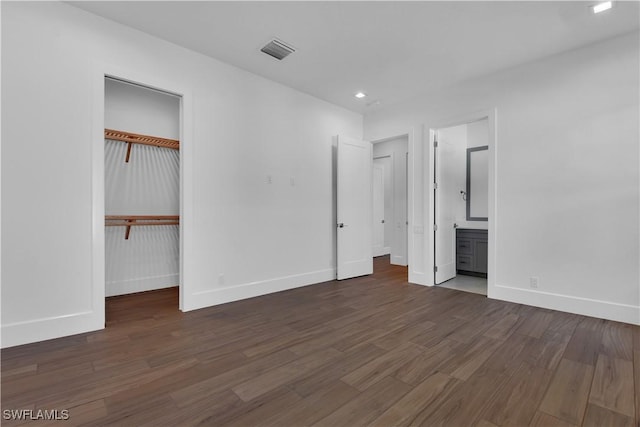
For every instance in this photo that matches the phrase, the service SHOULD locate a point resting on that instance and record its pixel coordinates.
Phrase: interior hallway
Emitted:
(365, 351)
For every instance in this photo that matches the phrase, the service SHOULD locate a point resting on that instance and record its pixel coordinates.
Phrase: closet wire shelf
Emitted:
(135, 138)
(139, 220)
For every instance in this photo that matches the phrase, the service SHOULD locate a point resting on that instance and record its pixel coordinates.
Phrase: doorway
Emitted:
(382, 204)
(390, 188)
(142, 194)
(460, 208)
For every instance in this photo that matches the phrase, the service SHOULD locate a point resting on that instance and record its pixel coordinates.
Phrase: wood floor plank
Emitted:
(617, 341)
(408, 408)
(314, 407)
(541, 419)
(203, 389)
(262, 413)
(367, 406)
(536, 324)
(599, 417)
(612, 386)
(281, 375)
(88, 412)
(509, 355)
(562, 326)
(221, 405)
(568, 392)
(21, 371)
(503, 328)
(543, 352)
(516, 401)
(314, 382)
(585, 343)
(463, 406)
(426, 363)
(470, 358)
(381, 367)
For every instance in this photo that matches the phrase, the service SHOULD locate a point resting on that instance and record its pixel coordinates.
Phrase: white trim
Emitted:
(150, 79)
(141, 284)
(397, 260)
(416, 222)
(35, 330)
(211, 297)
(584, 306)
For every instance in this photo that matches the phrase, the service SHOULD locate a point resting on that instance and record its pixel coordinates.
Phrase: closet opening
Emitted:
(142, 201)
(461, 206)
(390, 201)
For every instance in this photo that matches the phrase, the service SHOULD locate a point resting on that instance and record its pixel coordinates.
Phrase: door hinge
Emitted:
(435, 269)
(435, 227)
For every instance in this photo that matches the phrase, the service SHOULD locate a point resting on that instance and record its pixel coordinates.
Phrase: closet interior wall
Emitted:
(148, 184)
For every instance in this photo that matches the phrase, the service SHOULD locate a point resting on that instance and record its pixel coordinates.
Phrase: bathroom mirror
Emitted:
(478, 183)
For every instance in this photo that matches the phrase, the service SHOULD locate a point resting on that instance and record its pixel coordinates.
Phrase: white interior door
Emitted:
(355, 208)
(446, 194)
(378, 209)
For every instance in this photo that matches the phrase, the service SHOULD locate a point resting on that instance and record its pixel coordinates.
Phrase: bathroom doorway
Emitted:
(460, 208)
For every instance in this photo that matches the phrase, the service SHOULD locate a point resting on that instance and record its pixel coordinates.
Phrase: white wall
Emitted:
(396, 196)
(453, 173)
(457, 139)
(477, 134)
(147, 185)
(242, 236)
(141, 110)
(567, 176)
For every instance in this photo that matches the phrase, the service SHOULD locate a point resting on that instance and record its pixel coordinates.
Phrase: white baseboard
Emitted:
(419, 278)
(398, 260)
(381, 251)
(217, 296)
(50, 327)
(571, 304)
(141, 284)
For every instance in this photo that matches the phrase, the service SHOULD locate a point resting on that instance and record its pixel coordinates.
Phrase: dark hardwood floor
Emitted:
(368, 351)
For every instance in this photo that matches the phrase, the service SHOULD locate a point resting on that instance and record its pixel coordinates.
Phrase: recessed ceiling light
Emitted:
(360, 95)
(601, 7)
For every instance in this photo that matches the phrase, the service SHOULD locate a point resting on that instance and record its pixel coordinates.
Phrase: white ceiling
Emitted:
(391, 50)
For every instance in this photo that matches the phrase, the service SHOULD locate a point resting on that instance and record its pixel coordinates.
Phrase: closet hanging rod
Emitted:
(119, 135)
(134, 138)
(129, 221)
(141, 217)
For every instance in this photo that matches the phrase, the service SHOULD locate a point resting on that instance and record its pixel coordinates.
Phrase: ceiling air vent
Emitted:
(277, 49)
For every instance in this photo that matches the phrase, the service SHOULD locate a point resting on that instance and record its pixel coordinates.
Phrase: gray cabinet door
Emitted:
(471, 250)
(480, 255)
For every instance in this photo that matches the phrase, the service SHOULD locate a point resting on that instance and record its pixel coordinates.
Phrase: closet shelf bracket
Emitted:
(129, 221)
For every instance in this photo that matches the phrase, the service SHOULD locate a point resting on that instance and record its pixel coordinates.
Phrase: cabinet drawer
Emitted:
(464, 262)
(464, 247)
